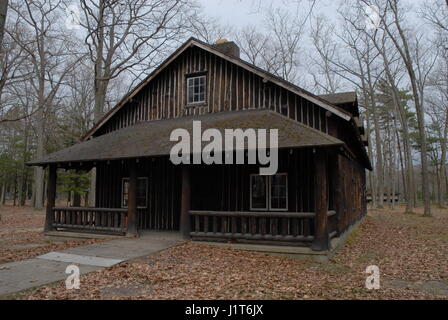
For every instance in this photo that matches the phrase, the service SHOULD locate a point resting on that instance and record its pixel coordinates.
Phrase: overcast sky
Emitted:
(244, 12)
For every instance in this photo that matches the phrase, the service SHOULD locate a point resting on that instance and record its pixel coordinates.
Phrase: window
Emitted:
(142, 192)
(269, 192)
(259, 188)
(279, 192)
(196, 90)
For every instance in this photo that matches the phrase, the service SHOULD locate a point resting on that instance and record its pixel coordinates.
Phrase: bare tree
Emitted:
(3, 12)
(14, 68)
(209, 29)
(356, 65)
(326, 79)
(391, 18)
(128, 35)
(48, 47)
(122, 35)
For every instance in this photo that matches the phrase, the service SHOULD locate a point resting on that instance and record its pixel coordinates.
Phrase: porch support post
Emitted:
(321, 238)
(51, 197)
(185, 203)
(132, 200)
(336, 190)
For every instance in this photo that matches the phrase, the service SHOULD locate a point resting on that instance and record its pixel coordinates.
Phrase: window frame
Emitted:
(192, 77)
(268, 192)
(122, 192)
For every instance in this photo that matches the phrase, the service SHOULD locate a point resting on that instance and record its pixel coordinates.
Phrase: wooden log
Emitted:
(254, 214)
(132, 200)
(185, 203)
(337, 204)
(51, 198)
(250, 236)
(321, 239)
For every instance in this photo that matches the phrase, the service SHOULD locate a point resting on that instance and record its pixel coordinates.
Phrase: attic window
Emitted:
(196, 90)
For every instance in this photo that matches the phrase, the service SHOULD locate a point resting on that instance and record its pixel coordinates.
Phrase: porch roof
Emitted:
(148, 139)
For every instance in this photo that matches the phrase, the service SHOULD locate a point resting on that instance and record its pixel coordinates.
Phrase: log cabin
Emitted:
(318, 192)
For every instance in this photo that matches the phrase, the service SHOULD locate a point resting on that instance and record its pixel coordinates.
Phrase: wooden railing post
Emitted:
(321, 238)
(132, 200)
(51, 197)
(185, 203)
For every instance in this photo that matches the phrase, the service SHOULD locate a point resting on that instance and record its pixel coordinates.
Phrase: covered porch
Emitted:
(206, 203)
(202, 202)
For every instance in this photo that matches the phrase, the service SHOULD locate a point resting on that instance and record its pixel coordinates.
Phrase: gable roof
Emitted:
(239, 62)
(152, 138)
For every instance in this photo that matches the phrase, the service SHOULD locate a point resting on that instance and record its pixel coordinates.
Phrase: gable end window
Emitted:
(142, 192)
(196, 89)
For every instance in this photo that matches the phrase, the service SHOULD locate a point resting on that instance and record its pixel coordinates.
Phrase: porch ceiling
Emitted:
(152, 138)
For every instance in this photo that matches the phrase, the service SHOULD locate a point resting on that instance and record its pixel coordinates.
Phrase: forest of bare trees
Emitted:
(57, 78)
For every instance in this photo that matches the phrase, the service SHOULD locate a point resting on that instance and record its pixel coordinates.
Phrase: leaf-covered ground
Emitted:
(21, 234)
(411, 252)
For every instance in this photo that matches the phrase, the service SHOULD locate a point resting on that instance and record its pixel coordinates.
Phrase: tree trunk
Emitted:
(405, 54)
(443, 169)
(3, 12)
(2, 194)
(370, 153)
(39, 171)
(379, 152)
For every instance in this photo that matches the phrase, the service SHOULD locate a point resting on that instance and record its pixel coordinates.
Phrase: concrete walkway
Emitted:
(50, 267)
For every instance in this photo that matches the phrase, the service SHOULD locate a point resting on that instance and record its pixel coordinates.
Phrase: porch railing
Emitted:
(268, 226)
(91, 219)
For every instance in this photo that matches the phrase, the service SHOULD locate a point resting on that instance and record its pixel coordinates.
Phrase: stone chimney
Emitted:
(228, 47)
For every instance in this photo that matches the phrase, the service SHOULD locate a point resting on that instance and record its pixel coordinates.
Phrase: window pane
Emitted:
(125, 192)
(142, 188)
(278, 197)
(259, 197)
(190, 94)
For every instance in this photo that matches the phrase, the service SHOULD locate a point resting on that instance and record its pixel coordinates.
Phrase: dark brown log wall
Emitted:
(229, 87)
(164, 185)
(352, 183)
(214, 187)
